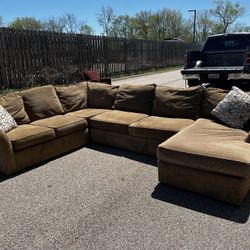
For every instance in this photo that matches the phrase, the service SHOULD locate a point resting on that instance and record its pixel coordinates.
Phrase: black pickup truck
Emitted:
(223, 61)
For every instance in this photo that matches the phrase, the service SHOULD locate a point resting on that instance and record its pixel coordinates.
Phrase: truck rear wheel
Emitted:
(192, 83)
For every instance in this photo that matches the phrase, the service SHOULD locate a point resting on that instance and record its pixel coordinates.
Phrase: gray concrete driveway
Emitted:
(171, 78)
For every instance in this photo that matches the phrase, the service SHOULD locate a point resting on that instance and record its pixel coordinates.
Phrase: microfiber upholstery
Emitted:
(13, 103)
(101, 95)
(116, 120)
(208, 146)
(88, 112)
(211, 98)
(158, 128)
(41, 102)
(73, 97)
(178, 102)
(63, 124)
(135, 98)
(29, 135)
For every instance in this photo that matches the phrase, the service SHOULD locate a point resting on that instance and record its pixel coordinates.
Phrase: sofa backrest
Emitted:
(212, 96)
(41, 102)
(101, 95)
(178, 102)
(13, 103)
(135, 98)
(72, 97)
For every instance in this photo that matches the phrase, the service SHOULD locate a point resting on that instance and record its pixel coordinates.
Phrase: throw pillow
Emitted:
(234, 109)
(7, 122)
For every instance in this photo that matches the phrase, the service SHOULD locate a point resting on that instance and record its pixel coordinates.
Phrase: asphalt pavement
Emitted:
(171, 78)
(100, 197)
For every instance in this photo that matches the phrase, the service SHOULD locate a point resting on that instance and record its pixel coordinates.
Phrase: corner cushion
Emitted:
(72, 97)
(116, 121)
(88, 112)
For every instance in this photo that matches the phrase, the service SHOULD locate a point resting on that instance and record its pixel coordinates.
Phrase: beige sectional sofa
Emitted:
(194, 151)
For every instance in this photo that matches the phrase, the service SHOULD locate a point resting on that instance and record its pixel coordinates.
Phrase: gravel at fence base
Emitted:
(104, 198)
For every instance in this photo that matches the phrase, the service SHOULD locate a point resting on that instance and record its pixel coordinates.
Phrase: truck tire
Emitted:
(192, 83)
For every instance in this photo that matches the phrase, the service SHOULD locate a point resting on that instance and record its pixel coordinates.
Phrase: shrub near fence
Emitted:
(41, 57)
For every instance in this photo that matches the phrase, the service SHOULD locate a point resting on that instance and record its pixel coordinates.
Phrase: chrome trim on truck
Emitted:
(238, 76)
(191, 77)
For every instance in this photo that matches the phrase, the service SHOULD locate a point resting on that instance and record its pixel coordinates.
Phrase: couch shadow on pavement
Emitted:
(146, 159)
(203, 204)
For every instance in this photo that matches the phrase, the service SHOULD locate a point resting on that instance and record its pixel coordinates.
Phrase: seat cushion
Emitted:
(135, 98)
(208, 146)
(158, 128)
(72, 97)
(178, 102)
(29, 135)
(63, 124)
(41, 102)
(116, 121)
(13, 103)
(101, 95)
(88, 112)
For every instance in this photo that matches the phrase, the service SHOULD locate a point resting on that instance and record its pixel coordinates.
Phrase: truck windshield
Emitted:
(235, 42)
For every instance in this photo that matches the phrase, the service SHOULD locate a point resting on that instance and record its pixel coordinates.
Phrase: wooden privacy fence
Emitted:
(41, 57)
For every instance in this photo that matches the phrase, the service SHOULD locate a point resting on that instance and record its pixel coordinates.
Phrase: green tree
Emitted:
(28, 23)
(172, 23)
(122, 26)
(141, 22)
(156, 26)
(204, 25)
(227, 13)
(105, 19)
(86, 29)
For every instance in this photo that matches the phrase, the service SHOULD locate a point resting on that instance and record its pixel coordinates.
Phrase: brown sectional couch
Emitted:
(194, 151)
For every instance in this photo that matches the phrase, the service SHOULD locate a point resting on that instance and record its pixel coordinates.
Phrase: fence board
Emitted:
(40, 57)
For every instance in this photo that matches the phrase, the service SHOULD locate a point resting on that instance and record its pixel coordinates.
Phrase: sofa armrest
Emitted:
(248, 138)
(7, 162)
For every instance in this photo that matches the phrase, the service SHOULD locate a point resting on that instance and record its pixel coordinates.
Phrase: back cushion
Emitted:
(41, 102)
(178, 102)
(212, 96)
(73, 97)
(101, 95)
(13, 103)
(135, 98)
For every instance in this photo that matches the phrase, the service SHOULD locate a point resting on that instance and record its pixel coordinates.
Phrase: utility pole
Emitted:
(194, 30)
